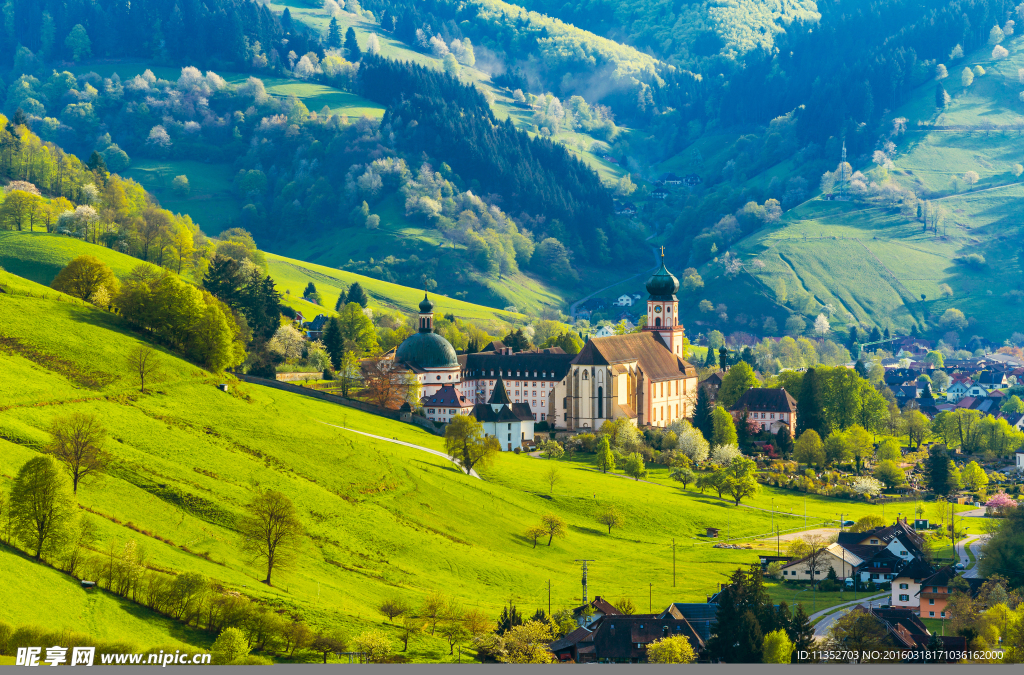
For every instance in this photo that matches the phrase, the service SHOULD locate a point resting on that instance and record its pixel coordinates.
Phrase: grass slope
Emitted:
(39, 257)
(381, 519)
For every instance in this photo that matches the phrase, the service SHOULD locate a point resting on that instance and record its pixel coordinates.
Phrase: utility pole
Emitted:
(650, 599)
(549, 598)
(673, 562)
(586, 614)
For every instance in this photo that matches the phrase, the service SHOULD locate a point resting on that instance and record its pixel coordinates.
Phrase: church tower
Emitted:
(426, 315)
(663, 308)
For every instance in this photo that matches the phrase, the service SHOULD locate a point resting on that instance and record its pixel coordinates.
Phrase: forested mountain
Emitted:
(493, 115)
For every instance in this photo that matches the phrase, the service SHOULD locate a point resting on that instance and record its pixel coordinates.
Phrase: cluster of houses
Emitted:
(890, 554)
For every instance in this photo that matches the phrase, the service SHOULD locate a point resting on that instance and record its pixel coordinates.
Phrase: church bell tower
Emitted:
(663, 308)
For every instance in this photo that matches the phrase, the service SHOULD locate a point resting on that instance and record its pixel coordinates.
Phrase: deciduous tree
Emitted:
(271, 530)
(77, 441)
(42, 506)
(465, 442)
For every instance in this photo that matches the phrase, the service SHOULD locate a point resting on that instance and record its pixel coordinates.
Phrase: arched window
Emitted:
(585, 375)
(600, 401)
(657, 321)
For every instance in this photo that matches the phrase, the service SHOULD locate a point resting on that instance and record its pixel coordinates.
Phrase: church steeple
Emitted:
(426, 315)
(663, 308)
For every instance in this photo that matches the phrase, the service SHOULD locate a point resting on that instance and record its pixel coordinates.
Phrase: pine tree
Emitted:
(223, 279)
(861, 369)
(808, 407)
(783, 442)
(357, 294)
(710, 361)
(509, 619)
(888, 335)
(853, 337)
(937, 470)
(333, 342)
(352, 45)
(342, 301)
(310, 290)
(286, 21)
(801, 631)
(940, 96)
(334, 34)
(876, 336)
(702, 413)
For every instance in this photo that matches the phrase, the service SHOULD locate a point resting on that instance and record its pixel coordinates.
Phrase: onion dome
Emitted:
(662, 285)
(426, 306)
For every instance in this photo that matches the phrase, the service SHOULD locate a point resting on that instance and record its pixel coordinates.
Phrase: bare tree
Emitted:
(610, 517)
(76, 440)
(552, 476)
(386, 383)
(142, 361)
(392, 607)
(816, 555)
(271, 530)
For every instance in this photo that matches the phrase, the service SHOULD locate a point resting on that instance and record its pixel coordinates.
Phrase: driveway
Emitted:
(822, 622)
(472, 472)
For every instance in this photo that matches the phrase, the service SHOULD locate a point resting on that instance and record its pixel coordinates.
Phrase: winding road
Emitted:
(822, 622)
(961, 552)
(472, 472)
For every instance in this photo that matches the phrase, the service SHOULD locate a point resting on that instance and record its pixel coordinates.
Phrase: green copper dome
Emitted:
(662, 285)
(426, 306)
(427, 350)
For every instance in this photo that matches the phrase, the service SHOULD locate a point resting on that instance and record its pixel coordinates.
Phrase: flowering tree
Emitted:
(864, 485)
(1000, 502)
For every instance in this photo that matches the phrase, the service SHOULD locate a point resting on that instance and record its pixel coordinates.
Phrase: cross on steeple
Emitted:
(662, 252)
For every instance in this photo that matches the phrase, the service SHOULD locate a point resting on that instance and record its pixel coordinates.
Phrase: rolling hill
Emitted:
(381, 519)
(876, 267)
(39, 257)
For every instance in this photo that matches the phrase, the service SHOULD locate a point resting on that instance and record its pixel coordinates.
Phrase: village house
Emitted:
(691, 180)
(660, 193)
(624, 300)
(444, 404)
(991, 379)
(907, 584)
(957, 388)
(768, 409)
(315, 328)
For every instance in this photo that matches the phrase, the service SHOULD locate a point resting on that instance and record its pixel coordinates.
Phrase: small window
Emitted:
(931, 613)
(904, 598)
(931, 601)
(904, 587)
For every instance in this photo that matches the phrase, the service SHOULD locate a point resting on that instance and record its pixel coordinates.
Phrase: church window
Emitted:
(439, 377)
(657, 321)
(600, 401)
(585, 375)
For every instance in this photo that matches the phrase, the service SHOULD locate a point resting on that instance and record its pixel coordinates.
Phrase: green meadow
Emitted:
(381, 519)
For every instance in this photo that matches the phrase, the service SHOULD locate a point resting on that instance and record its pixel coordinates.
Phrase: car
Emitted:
(959, 566)
(848, 523)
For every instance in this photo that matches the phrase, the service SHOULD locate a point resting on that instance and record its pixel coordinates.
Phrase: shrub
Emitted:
(230, 646)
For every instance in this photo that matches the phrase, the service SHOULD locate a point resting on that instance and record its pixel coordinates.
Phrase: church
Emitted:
(640, 376)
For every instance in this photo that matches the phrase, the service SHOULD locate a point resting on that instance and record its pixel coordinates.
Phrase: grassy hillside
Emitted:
(381, 519)
(870, 261)
(39, 257)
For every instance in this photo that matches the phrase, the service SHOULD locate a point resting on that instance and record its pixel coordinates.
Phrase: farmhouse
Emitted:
(315, 328)
(640, 376)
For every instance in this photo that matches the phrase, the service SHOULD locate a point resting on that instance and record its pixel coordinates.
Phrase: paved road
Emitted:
(823, 622)
(472, 472)
(970, 542)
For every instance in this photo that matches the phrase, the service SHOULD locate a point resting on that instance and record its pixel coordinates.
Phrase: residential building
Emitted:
(590, 612)
(624, 300)
(713, 382)
(957, 388)
(315, 328)
(605, 331)
(511, 423)
(907, 632)
(833, 556)
(907, 585)
(991, 379)
(444, 404)
(622, 639)
(660, 193)
(768, 409)
(640, 376)
(934, 594)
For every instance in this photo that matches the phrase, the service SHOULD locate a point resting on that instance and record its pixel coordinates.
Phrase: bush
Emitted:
(229, 647)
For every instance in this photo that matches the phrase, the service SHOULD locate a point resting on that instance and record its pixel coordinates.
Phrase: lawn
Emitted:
(381, 519)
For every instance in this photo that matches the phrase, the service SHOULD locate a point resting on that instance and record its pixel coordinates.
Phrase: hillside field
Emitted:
(381, 519)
